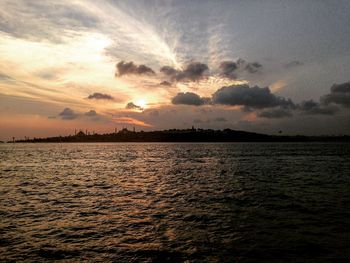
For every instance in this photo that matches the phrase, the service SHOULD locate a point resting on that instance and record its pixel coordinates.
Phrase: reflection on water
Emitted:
(128, 202)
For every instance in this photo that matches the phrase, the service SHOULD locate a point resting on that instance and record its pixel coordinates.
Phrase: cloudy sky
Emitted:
(261, 66)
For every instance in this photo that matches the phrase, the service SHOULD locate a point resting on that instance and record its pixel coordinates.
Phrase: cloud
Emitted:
(47, 75)
(250, 97)
(312, 107)
(57, 20)
(68, 114)
(165, 83)
(4, 77)
(340, 94)
(268, 104)
(194, 71)
(127, 68)
(231, 69)
(275, 113)
(132, 106)
(228, 68)
(253, 67)
(169, 71)
(189, 98)
(293, 64)
(91, 113)
(100, 96)
(132, 121)
(341, 88)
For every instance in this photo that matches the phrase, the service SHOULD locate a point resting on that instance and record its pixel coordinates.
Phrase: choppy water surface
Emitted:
(238, 202)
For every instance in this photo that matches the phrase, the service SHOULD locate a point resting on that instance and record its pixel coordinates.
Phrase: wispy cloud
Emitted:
(132, 121)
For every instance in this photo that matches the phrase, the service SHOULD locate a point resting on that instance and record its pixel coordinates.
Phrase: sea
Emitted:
(175, 202)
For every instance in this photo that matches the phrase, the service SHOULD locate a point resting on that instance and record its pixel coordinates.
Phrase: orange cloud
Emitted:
(127, 120)
(278, 85)
(251, 116)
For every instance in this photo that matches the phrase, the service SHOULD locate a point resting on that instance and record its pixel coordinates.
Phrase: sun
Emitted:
(142, 103)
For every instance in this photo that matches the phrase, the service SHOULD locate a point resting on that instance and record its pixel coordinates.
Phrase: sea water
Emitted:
(165, 202)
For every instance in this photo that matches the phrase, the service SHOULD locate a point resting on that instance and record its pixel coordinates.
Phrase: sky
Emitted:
(262, 66)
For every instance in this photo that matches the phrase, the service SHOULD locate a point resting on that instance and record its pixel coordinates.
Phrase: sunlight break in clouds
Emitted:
(59, 53)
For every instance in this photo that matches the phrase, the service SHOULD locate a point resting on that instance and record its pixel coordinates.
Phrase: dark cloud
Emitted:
(68, 114)
(165, 83)
(189, 98)
(231, 69)
(100, 96)
(194, 71)
(228, 68)
(315, 108)
(341, 88)
(251, 97)
(169, 71)
(275, 113)
(267, 104)
(293, 64)
(253, 67)
(127, 68)
(91, 113)
(132, 106)
(340, 94)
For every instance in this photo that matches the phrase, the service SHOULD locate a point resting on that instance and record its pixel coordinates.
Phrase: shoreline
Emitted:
(182, 136)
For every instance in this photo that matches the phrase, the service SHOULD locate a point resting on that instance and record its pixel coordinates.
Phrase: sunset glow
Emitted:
(174, 131)
(66, 55)
(142, 103)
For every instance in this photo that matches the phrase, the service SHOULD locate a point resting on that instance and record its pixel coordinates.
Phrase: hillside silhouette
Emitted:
(184, 135)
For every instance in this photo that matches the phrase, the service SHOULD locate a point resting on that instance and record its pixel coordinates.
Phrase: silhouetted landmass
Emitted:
(187, 135)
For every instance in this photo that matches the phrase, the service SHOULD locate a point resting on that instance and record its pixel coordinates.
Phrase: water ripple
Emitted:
(132, 202)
